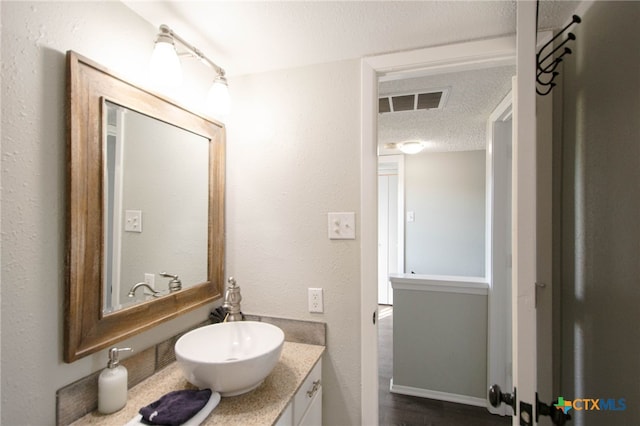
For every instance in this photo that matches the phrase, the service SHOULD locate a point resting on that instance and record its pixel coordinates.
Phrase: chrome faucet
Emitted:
(132, 292)
(232, 299)
(175, 284)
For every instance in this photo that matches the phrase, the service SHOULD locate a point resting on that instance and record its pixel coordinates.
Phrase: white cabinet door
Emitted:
(309, 393)
(286, 419)
(313, 416)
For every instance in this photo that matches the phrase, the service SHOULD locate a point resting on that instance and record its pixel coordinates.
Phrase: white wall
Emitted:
(293, 156)
(446, 193)
(440, 343)
(600, 205)
(293, 149)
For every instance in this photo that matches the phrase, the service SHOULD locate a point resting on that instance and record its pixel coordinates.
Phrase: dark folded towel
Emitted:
(217, 315)
(176, 407)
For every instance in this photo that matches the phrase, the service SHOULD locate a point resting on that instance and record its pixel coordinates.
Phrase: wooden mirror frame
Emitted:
(86, 328)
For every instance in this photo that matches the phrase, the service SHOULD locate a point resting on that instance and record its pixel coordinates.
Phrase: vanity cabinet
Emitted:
(305, 409)
(291, 394)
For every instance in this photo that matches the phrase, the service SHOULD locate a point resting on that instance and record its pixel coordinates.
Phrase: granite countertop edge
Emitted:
(263, 406)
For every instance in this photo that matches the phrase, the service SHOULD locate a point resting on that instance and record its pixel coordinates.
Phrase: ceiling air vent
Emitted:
(383, 105)
(412, 101)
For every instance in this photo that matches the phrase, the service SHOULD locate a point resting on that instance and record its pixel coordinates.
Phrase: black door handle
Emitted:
(497, 397)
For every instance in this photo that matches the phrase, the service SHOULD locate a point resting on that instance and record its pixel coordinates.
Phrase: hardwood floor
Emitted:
(404, 410)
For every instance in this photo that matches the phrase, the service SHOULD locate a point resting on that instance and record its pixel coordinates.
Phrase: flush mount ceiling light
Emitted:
(408, 147)
(166, 71)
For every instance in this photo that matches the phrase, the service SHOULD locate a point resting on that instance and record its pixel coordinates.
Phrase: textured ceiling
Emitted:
(461, 124)
(246, 37)
(253, 36)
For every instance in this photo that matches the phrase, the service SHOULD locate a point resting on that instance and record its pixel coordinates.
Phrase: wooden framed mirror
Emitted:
(144, 199)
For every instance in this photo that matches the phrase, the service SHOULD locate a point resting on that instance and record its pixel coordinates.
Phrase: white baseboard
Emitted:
(442, 396)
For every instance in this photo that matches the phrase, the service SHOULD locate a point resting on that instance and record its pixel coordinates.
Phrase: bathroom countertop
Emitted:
(262, 406)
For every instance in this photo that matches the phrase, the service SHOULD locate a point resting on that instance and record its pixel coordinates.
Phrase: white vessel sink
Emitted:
(230, 358)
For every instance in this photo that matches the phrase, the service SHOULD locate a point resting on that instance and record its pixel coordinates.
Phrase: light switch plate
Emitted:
(133, 220)
(342, 226)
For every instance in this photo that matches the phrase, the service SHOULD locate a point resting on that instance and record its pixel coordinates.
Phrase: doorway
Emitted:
(444, 168)
(487, 53)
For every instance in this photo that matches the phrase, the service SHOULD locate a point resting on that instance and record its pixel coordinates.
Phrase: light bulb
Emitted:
(411, 147)
(218, 99)
(165, 67)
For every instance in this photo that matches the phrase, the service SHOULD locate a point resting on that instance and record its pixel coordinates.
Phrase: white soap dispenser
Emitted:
(112, 384)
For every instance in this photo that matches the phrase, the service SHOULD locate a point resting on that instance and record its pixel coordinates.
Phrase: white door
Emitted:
(524, 216)
(499, 248)
(383, 239)
(387, 234)
(523, 399)
(531, 242)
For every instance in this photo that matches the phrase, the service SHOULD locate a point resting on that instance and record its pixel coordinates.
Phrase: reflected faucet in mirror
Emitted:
(175, 284)
(132, 292)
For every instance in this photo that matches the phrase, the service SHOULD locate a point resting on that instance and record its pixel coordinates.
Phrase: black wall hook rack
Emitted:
(549, 57)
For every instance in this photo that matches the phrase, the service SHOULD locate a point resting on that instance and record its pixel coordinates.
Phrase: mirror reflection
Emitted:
(156, 199)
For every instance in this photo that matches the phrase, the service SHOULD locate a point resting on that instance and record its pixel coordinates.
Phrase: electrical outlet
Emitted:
(150, 279)
(315, 300)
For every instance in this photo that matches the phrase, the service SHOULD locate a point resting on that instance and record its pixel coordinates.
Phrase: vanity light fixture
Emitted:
(166, 70)
(218, 99)
(165, 67)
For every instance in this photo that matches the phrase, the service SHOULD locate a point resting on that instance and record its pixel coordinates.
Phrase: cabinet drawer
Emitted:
(311, 386)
